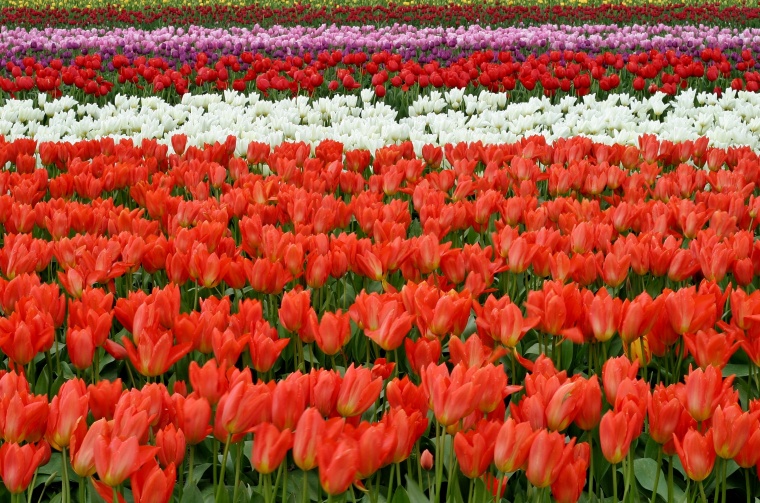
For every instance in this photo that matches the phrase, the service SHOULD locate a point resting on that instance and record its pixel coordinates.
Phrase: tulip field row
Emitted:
(421, 253)
(77, 13)
(363, 122)
(306, 322)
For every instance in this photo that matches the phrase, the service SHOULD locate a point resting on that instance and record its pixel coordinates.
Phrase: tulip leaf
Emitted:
(414, 492)
(41, 386)
(646, 472)
(191, 494)
(737, 369)
(400, 496)
(67, 372)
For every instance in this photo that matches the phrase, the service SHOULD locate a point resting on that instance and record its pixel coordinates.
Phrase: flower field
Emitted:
(371, 252)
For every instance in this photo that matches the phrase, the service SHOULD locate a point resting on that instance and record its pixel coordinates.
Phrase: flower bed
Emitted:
(184, 268)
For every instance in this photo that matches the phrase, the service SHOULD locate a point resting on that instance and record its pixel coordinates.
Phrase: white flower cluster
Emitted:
(363, 122)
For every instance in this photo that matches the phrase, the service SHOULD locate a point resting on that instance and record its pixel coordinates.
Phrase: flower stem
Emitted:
(702, 492)
(238, 466)
(190, 465)
(66, 496)
(224, 465)
(657, 475)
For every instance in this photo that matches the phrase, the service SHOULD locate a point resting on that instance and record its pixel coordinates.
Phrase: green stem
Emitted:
(747, 486)
(591, 465)
(276, 481)
(305, 488)
(716, 496)
(657, 475)
(284, 481)
(224, 465)
(702, 492)
(390, 483)
(614, 483)
(66, 496)
(190, 465)
(725, 469)
(238, 466)
(670, 479)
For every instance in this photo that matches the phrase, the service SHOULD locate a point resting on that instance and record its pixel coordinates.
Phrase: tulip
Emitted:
(572, 477)
(590, 408)
(426, 460)
(474, 449)
(703, 392)
(270, 447)
(103, 396)
(83, 445)
(19, 463)
(513, 444)
(155, 352)
(664, 413)
(450, 397)
(338, 463)
(306, 439)
(23, 418)
(564, 405)
(171, 446)
(422, 353)
(151, 484)
(358, 391)
(376, 444)
(731, 429)
(548, 456)
(244, 406)
(116, 459)
(209, 381)
(696, 453)
(616, 431)
(614, 371)
(67, 409)
(196, 417)
(333, 333)
(749, 455)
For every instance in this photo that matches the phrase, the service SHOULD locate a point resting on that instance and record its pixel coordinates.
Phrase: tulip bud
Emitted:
(426, 460)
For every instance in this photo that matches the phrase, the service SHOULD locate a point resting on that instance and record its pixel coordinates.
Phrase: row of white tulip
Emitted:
(363, 122)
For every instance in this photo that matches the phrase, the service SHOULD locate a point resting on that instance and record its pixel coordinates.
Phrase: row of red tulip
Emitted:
(326, 72)
(415, 13)
(199, 256)
(143, 435)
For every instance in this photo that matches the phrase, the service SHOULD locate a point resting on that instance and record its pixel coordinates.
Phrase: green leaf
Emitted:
(198, 472)
(191, 494)
(737, 369)
(416, 495)
(400, 496)
(646, 473)
(481, 491)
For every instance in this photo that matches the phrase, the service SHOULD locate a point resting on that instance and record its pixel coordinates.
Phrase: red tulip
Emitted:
(696, 453)
(474, 449)
(513, 444)
(307, 439)
(548, 456)
(19, 463)
(67, 409)
(358, 391)
(270, 447)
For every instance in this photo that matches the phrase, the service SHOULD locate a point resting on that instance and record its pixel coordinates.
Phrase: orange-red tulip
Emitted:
(696, 453)
(270, 447)
(513, 444)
